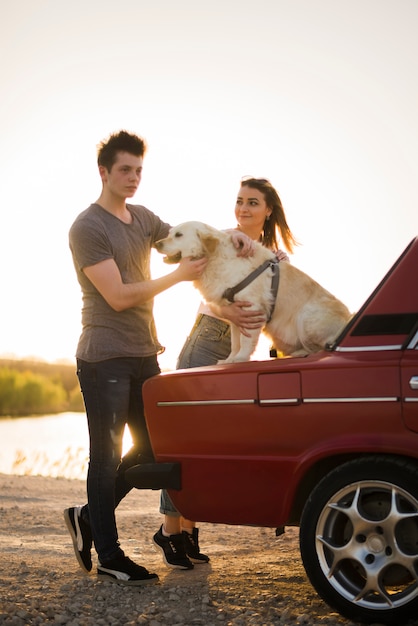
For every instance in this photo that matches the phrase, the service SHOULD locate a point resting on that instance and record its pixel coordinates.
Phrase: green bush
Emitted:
(26, 393)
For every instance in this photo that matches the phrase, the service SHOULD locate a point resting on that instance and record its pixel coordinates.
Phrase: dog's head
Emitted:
(190, 239)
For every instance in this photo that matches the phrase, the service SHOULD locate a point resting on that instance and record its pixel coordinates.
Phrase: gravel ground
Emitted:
(254, 578)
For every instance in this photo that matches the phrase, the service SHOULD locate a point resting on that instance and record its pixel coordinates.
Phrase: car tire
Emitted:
(359, 539)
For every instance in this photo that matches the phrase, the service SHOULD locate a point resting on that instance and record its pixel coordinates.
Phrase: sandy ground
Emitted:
(254, 577)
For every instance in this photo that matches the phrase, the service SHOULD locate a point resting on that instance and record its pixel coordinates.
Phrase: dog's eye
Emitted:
(178, 235)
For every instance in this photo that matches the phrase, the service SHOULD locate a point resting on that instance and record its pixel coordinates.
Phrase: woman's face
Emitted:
(251, 209)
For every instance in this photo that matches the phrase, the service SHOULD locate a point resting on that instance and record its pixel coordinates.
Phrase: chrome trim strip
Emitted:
(204, 402)
(281, 401)
(410, 399)
(367, 348)
(365, 399)
(414, 341)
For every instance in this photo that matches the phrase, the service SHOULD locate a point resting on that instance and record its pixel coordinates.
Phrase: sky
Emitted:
(319, 96)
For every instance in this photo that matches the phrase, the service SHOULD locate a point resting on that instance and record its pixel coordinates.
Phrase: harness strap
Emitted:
(231, 292)
(274, 286)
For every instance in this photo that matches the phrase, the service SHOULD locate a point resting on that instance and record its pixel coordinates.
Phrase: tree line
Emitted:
(38, 388)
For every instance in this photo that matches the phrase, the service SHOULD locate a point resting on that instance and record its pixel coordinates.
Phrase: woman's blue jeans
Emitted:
(209, 342)
(112, 392)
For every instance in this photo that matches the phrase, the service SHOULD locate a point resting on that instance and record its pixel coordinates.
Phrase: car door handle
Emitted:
(413, 383)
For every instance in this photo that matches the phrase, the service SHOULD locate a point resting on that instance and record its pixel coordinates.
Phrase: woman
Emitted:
(260, 215)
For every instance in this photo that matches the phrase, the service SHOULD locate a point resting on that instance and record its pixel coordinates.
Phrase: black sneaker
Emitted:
(191, 543)
(125, 572)
(173, 550)
(81, 535)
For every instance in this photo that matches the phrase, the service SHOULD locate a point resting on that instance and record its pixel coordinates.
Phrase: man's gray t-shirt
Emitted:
(95, 236)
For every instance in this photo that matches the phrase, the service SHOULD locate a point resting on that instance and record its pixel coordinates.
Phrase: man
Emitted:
(111, 243)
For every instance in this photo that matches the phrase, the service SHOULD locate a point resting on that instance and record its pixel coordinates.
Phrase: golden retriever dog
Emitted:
(301, 318)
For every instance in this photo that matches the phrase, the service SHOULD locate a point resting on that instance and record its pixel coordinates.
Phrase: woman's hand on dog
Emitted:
(245, 245)
(241, 315)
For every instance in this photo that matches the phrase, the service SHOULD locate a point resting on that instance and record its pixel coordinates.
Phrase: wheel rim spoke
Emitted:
(367, 544)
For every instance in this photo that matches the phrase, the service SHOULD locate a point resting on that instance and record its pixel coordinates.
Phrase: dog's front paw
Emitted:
(235, 359)
(230, 359)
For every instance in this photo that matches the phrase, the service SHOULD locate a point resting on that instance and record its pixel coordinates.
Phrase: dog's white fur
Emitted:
(306, 316)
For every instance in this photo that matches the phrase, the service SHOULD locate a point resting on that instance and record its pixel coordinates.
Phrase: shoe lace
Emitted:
(191, 539)
(177, 544)
(133, 568)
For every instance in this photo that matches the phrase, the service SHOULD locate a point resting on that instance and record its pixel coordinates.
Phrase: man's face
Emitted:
(125, 175)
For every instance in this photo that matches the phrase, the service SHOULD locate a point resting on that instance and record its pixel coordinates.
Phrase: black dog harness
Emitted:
(231, 292)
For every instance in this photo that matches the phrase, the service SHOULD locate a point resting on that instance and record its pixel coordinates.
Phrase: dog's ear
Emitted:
(209, 243)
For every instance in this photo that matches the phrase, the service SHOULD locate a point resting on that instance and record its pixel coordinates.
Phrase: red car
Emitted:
(328, 442)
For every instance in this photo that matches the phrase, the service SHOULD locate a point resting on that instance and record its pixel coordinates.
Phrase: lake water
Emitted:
(51, 445)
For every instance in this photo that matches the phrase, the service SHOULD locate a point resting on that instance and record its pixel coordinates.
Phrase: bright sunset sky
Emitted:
(319, 96)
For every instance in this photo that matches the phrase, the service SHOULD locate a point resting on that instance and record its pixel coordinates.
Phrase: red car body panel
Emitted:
(252, 439)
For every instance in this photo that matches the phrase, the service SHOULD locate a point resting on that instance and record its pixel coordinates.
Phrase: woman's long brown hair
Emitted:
(276, 224)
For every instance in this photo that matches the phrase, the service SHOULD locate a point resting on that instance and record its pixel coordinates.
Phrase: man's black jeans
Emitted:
(112, 392)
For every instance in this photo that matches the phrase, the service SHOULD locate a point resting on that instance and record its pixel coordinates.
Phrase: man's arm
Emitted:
(106, 277)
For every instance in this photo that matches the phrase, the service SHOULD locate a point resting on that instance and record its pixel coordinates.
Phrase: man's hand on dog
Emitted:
(191, 269)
